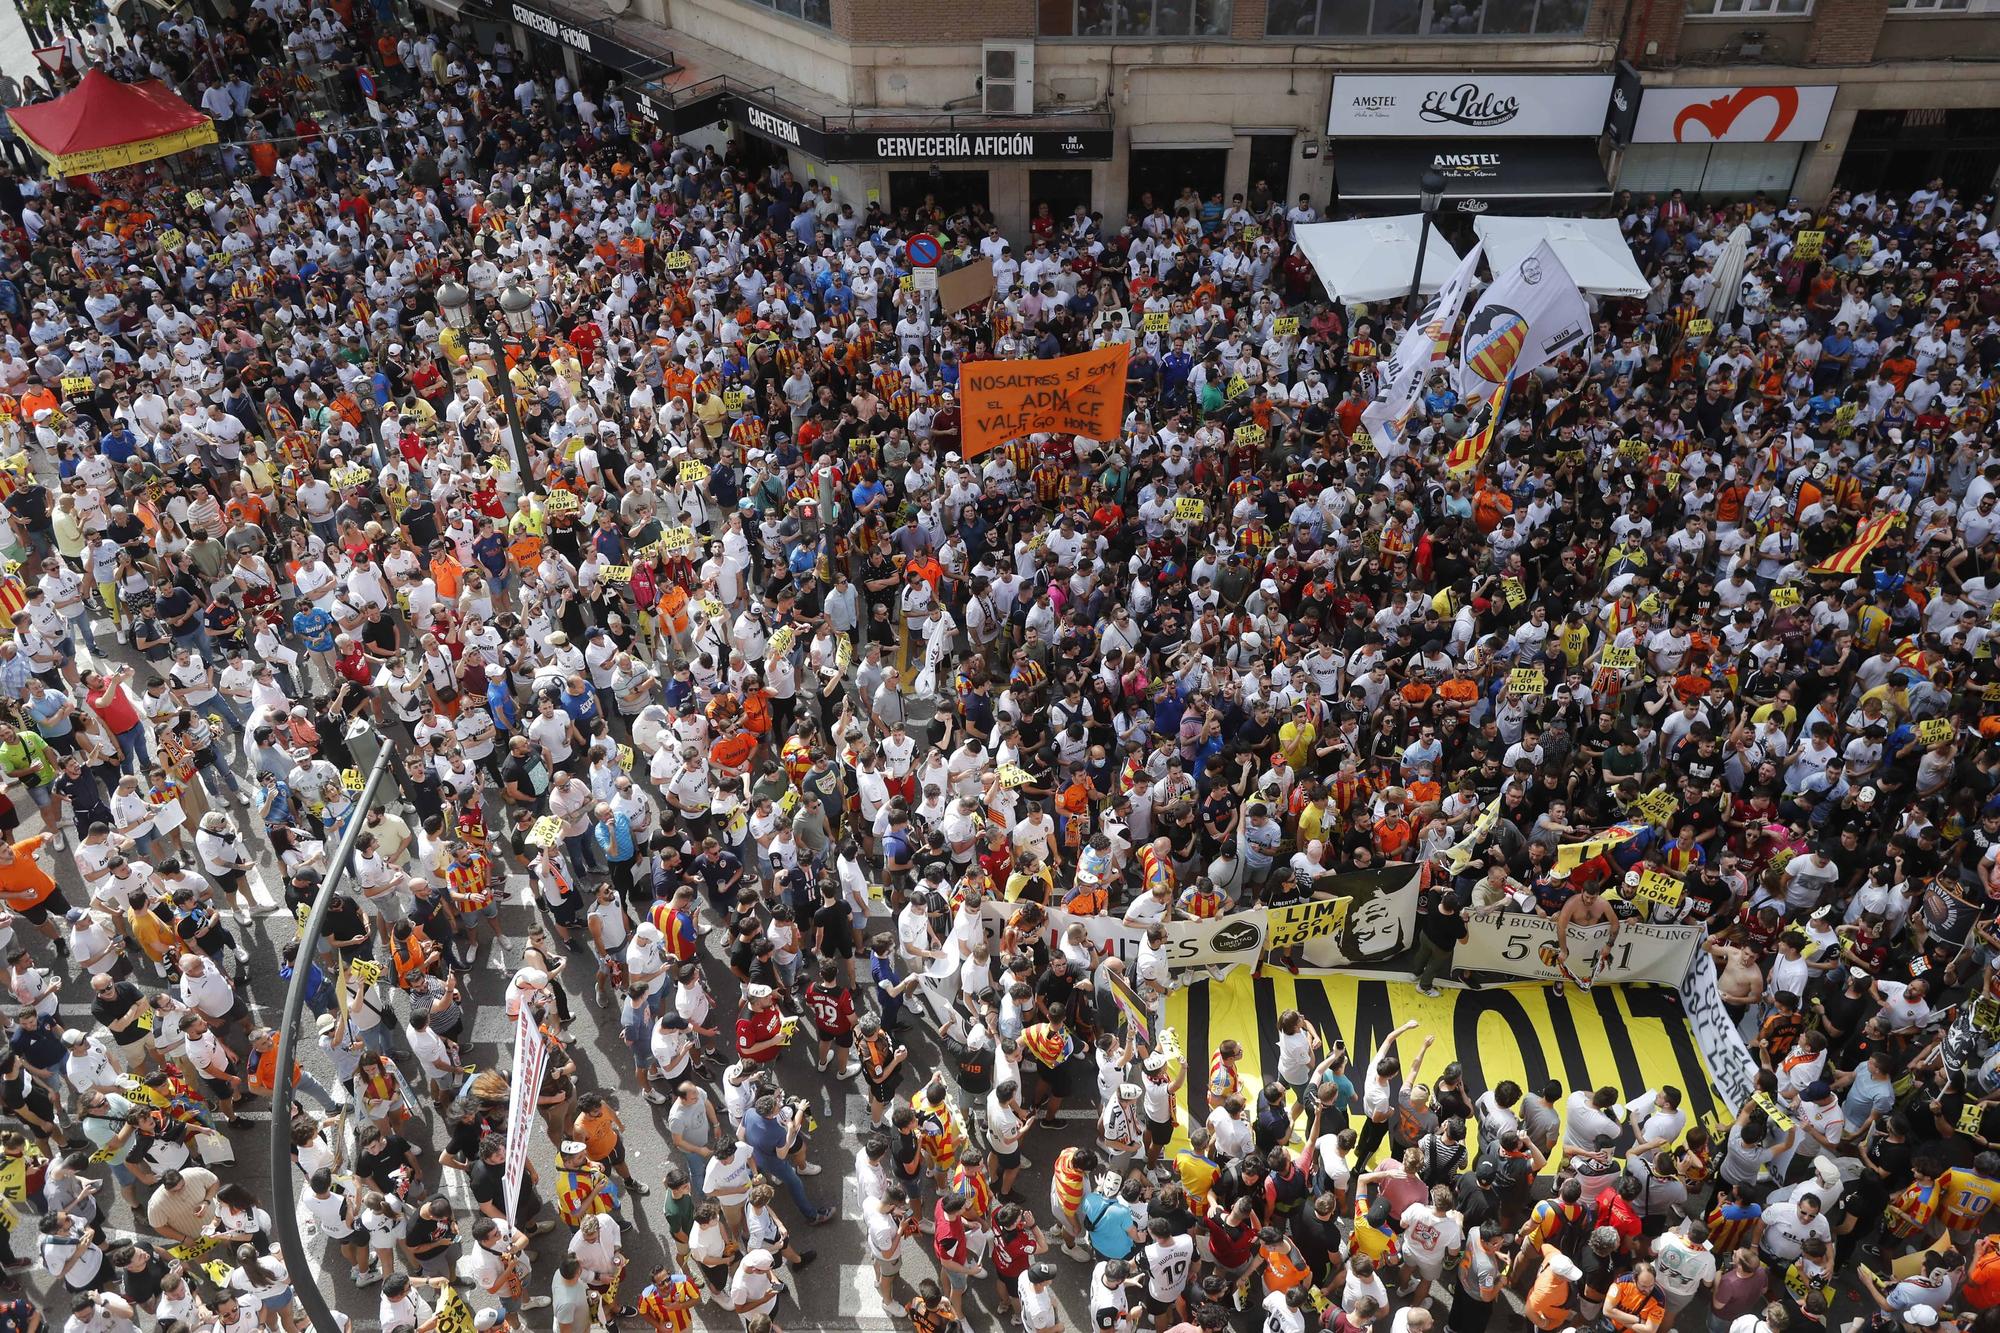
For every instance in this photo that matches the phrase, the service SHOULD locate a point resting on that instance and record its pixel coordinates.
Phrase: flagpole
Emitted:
(284, 1196)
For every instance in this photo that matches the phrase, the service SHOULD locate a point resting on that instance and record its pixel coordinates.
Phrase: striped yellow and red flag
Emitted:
(1469, 451)
(1871, 534)
(13, 598)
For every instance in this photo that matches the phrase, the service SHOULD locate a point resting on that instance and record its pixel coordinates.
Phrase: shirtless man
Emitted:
(1586, 907)
(1741, 981)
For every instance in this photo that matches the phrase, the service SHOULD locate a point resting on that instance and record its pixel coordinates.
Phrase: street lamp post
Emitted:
(517, 312)
(1430, 193)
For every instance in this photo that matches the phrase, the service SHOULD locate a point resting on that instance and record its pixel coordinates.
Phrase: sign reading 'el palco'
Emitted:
(1380, 106)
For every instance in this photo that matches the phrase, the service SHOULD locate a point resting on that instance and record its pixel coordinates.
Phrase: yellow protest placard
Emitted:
(781, 639)
(453, 1314)
(1809, 244)
(1238, 386)
(1784, 595)
(678, 261)
(843, 653)
(626, 757)
(1657, 887)
(677, 539)
(351, 779)
(734, 400)
(1250, 436)
(693, 472)
(172, 239)
(1363, 442)
(1527, 682)
(1991, 694)
(195, 199)
(1285, 326)
(1516, 594)
(906, 283)
(1190, 509)
(1700, 328)
(1619, 659)
(616, 573)
(1657, 806)
(561, 502)
(1252, 231)
(1935, 731)
(1013, 775)
(1158, 321)
(343, 477)
(73, 385)
(545, 832)
(710, 607)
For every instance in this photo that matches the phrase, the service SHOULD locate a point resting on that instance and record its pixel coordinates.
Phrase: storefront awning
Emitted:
(1186, 136)
(1478, 173)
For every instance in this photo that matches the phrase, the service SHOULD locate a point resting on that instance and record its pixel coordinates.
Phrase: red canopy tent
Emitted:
(102, 123)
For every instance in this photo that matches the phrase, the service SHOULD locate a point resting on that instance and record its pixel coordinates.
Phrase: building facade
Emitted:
(1523, 105)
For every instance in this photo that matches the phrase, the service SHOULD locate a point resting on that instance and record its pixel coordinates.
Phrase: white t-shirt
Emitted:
(1167, 1267)
(1681, 1269)
(1280, 1317)
(1429, 1235)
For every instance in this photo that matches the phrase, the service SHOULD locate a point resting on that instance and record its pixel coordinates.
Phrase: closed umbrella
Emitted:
(1729, 274)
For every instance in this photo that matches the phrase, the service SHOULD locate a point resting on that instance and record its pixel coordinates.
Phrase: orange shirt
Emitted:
(733, 752)
(1548, 1300)
(25, 884)
(599, 1133)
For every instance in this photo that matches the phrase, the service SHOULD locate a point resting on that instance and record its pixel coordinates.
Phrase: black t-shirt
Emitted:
(344, 920)
(1318, 1241)
(1444, 929)
(144, 1284)
(172, 603)
(1055, 993)
(462, 1143)
(123, 999)
(838, 923)
(489, 1186)
(380, 1164)
(30, 504)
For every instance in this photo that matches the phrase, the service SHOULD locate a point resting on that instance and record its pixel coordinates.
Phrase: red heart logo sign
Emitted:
(1716, 117)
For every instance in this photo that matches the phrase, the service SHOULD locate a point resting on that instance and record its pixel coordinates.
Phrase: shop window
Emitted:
(1724, 171)
(1929, 6)
(819, 13)
(1433, 18)
(1784, 9)
(1134, 18)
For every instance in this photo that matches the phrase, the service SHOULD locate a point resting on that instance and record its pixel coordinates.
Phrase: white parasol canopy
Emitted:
(1371, 259)
(1592, 249)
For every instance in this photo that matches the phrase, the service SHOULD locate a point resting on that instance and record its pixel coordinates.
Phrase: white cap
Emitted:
(571, 1147)
(1565, 1268)
(758, 1258)
(1921, 1316)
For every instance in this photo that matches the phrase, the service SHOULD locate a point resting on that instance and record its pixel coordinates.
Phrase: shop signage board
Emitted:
(979, 144)
(1777, 113)
(1449, 106)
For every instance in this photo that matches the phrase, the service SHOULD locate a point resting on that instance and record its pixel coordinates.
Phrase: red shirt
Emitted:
(114, 709)
(832, 1010)
(950, 1238)
(756, 1028)
(1012, 1251)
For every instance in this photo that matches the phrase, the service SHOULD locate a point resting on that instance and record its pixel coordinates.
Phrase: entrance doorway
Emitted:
(1062, 191)
(1895, 152)
(1270, 163)
(1164, 172)
(931, 197)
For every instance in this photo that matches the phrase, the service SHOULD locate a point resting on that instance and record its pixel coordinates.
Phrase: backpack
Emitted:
(1574, 1238)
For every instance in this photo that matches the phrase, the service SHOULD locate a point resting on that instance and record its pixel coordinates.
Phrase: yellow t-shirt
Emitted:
(1295, 739)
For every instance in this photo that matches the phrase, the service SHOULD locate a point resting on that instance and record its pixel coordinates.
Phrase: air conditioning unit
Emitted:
(1007, 85)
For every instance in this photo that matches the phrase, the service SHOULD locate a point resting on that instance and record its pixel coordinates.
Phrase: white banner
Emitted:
(1522, 944)
(1460, 106)
(1776, 113)
(1531, 314)
(1732, 1071)
(531, 1058)
(1220, 941)
(1423, 346)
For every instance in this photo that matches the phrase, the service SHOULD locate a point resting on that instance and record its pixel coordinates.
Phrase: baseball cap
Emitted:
(1156, 1062)
(571, 1147)
(1127, 1092)
(1041, 1272)
(487, 1319)
(1565, 1268)
(1921, 1316)
(759, 992)
(73, 1037)
(758, 1258)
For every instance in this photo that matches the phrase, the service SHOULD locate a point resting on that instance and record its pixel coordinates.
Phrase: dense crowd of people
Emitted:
(685, 605)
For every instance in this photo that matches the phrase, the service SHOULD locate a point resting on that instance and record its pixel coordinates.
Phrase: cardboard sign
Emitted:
(171, 239)
(74, 385)
(1238, 387)
(843, 653)
(1527, 682)
(1633, 449)
(626, 758)
(781, 639)
(1516, 594)
(1809, 245)
(1190, 509)
(616, 573)
(677, 539)
(710, 607)
(733, 399)
(1073, 395)
(1251, 231)
(966, 285)
(906, 283)
(1656, 887)
(1700, 328)
(1657, 807)
(1285, 326)
(1157, 321)
(1013, 775)
(1784, 596)
(1619, 659)
(352, 779)
(345, 477)
(693, 472)
(1935, 731)
(679, 261)
(1248, 436)
(1363, 442)
(546, 832)
(195, 199)
(561, 502)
